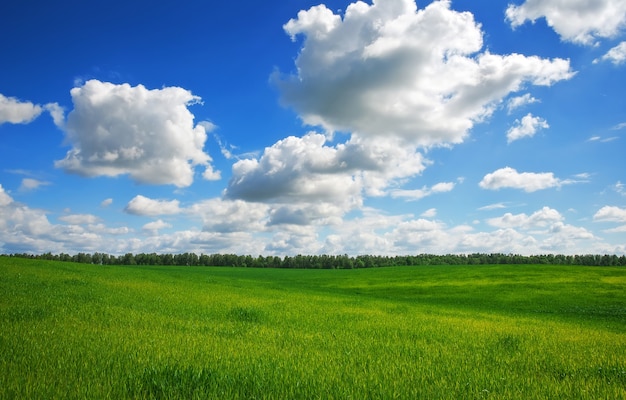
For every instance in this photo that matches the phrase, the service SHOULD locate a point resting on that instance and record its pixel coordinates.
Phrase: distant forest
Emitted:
(328, 261)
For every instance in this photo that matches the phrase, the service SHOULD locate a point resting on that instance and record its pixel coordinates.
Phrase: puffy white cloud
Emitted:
(527, 127)
(582, 21)
(388, 69)
(15, 111)
(611, 214)
(616, 55)
(542, 218)
(154, 226)
(25, 229)
(324, 180)
(148, 134)
(417, 194)
(227, 216)
(520, 101)
(528, 181)
(294, 168)
(141, 205)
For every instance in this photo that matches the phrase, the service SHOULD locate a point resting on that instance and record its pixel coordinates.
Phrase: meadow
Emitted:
(78, 331)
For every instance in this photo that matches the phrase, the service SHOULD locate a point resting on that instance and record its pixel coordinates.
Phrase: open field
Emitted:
(434, 332)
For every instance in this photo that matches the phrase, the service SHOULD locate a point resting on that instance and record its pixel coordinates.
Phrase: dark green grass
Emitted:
(85, 331)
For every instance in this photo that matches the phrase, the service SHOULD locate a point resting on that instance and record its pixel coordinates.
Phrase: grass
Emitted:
(503, 332)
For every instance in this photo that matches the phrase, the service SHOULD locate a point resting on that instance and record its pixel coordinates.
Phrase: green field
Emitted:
(76, 331)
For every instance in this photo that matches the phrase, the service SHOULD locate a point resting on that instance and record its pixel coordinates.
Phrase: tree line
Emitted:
(328, 261)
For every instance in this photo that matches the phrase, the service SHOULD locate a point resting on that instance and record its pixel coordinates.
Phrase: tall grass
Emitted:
(507, 332)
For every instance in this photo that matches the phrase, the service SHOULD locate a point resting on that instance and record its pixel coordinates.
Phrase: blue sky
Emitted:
(300, 127)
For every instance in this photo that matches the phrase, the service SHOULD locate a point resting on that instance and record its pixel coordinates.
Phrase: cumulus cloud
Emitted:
(582, 22)
(527, 127)
(154, 226)
(616, 55)
(539, 219)
(611, 214)
(543, 230)
(303, 168)
(326, 180)
(528, 181)
(15, 111)
(123, 129)
(227, 216)
(141, 205)
(388, 69)
(375, 232)
(25, 229)
(520, 101)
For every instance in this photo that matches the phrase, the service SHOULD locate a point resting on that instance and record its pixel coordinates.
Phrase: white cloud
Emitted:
(619, 126)
(520, 101)
(29, 184)
(581, 22)
(616, 55)
(79, 219)
(295, 168)
(24, 229)
(154, 226)
(528, 181)
(601, 139)
(542, 218)
(148, 134)
(141, 205)
(611, 214)
(311, 180)
(228, 216)
(620, 188)
(5, 199)
(430, 213)
(57, 113)
(239, 227)
(388, 69)
(494, 206)
(417, 194)
(527, 127)
(15, 111)
(106, 202)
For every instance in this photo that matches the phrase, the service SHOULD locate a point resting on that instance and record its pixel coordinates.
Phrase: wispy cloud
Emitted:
(30, 184)
(417, 194)
(619, 126)
(494, 206)
(520, 101)
(616, 55)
